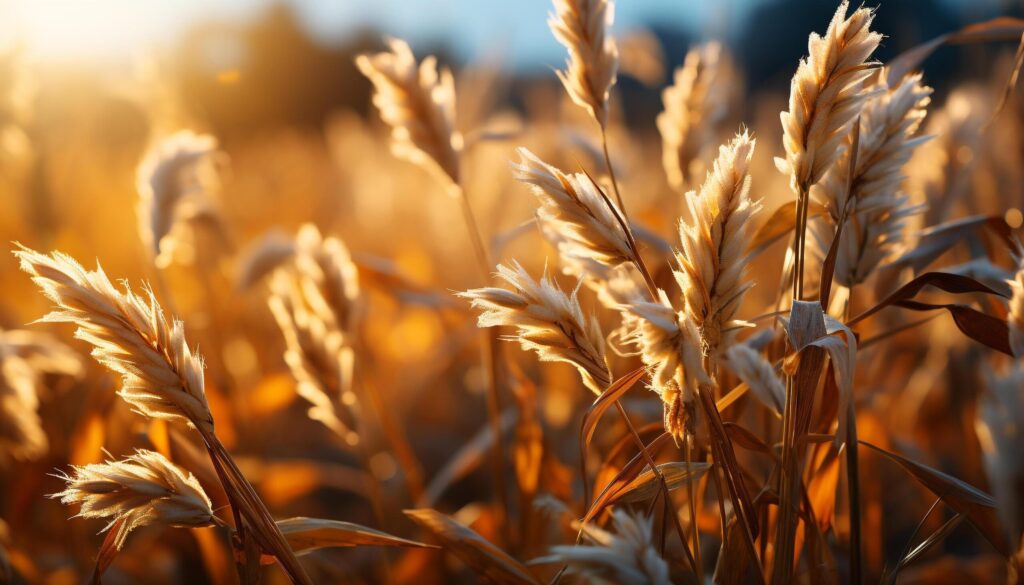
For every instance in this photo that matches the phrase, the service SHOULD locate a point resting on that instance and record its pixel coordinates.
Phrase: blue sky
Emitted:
(117, 29)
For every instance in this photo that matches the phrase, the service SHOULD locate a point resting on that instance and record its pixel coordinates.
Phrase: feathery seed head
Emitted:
(141, 490)
(317, 353)
(574, 209)
(626, 556)
(670, 345)
(582, 26)
(871, 203)
(418, 103)
(712, 262)
(547, 321)
(160, 376)
(174, 181)
(825, 95)
(695, 104)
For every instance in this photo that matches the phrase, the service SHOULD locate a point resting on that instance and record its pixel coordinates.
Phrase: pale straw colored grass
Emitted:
(825, 95)
(547, 321)
(418, 103)
(160, 376)
(713, 259)
(590, 71)
(142, 490)
(627, 556)
(695, 104)
(869, 198)
(174, 181)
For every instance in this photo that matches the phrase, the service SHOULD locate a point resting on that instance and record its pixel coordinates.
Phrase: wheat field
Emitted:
(487, 329)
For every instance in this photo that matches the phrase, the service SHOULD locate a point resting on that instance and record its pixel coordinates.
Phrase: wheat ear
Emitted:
(141, 490)
(418, 103)
(825, 95)
(627, 556)
(869, 198)
(547, 321)
(590, 71)
(173, 180)
(713, 259)
(694, 105)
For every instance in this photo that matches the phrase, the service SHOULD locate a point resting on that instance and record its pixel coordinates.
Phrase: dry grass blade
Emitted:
(605, 401)
(966, 499)
(1015, 315)
(306, 535)
(1001, 28)
(951, 283)
(484, 558)
(646, 485)
(626, 474)
(465, 460)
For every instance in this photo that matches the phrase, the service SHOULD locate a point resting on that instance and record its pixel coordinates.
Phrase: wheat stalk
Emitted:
(713, 259)
(418, 102)
(547, 321)
(868, 198)
(627, 556)
(141, 490)
(694, 105)
(582, 27)
(161, 377)
(173, 180)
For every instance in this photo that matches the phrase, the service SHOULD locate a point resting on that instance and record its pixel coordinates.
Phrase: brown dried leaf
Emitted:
(306, 535)
(483, 557)
(978, 506)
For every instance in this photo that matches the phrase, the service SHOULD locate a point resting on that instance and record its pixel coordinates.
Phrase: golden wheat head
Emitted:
(713, 259)
(418, 103)
(547, 321)
(825, 95)
(160, 376)
(172, 180)
(142, 490)
(590, 71)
